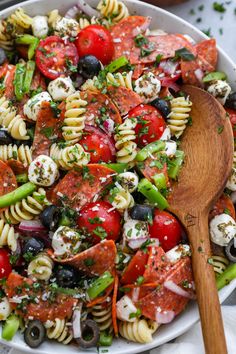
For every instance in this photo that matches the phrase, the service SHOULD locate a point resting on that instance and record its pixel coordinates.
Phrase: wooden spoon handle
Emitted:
(207, 295)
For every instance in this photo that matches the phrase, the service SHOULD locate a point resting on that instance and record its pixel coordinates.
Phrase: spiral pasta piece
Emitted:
(122, 199)
(90, 84)
(40, 267)
(85, 22)
(113, 9)
(70, 156)
(23, 153)
(60, 331)
(74, 121)
(124, 138)
(8, 237)
(6, 41)
(178, 118)
(27, 208)
(120, 79)
(20, 18)
(139, 331)
(102, 315)
(53, 17)
(219, 264)
(14, 123)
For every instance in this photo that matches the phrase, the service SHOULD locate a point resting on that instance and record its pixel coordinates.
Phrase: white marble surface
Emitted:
(222, 26)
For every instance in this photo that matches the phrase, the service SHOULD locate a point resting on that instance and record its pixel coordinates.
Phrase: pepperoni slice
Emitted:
(157, 266)
(9, 82)
(191, 69)
(47, 128)
(7, 179)
(149, 170)
(61, 306)
(138, 70)
(207, 50)
(124, 98)
(99, 106)
(17, 166)
(81, 186)
(95, 260)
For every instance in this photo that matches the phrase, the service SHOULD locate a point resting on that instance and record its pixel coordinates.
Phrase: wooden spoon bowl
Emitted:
(208, 147)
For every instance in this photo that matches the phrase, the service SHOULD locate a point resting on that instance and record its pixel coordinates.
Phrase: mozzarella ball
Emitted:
(33, 105)
(178, 252)
(67, 27)
(148, 87)
(135, 229)
(43, 171)
(40, 26)
(222, 229)
(231, 183)
(5, 309)
(128, 181)
(170, 148)
(125, 308)
(61, 88)
(65, 241)
(220, 90)
(166, 135)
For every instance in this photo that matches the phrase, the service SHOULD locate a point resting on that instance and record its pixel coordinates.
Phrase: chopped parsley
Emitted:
(70, 66)
(207, 32)
(140, 280)
(56, 110)
(220, 129)
(95, 220)
(100, 232)
(146, 47)
(135, 314)
(47, 131)
(183, 54)
(89, 262)
(158, 59)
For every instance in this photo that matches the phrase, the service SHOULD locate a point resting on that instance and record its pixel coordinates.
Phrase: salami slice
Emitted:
(157, 266)
(47, 128)
(95, 260)
(207, 50)
(60, 306)
(80, 186)
(17, 166)
(124, 98)
(193, 71)
(138, 70)
(7, 179)
(99, 106)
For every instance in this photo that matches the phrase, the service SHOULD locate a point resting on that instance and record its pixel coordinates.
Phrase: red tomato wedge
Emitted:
(9, 82)
(54, 57)
(135, 268)
(7, 179)
(5, 264)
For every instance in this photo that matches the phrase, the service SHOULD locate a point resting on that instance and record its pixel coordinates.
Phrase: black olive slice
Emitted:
(89, 334)
(230, 251)
(34, 334)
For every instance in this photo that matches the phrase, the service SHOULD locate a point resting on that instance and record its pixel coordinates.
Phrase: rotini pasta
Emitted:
(139, 331)
(74, 118)
(60, 331)
(8, 237)
(219, 264)
(124, 138)
(14, 123)
(53, 18)
(27, 208)
(120, 79)
(41, 267)
(85, 22)
(6, 41)
(20, 18)
(113, 9)
(23, 153)
(178, 118)
(90, 84)
(70, 156)
(122, 198)
(102, 315)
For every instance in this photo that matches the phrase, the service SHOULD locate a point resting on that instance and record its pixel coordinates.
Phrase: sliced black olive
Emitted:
(33, 246)
(34, 334)
(231, 101)
(89, 66)
(5, 138)
(3, 56)
(230, 251)
(50, 217)
(142, 212)
(89, 334)
(162, 106)
(66, 276)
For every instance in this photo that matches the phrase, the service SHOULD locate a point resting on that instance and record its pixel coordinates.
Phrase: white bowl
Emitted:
(170, 23)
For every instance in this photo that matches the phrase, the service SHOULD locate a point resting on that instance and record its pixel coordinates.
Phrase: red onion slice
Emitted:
(135, 294)
(233, 197)
(164, 317)
(108, 126)
(72, 12)
(76, 325)
(87, 9)
(168, 66)
(170, 285)
(136, 243)
(31, 225)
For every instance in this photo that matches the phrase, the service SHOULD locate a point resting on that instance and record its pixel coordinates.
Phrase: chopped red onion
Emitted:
(136, 243)
(143, 27)
(165, 316)
(87, 9)
(31, 225)
(169, 82)
(72, 12)
(168, 66)
(78, 81)
(108, 126)
(76, 325)
(170, 285)
(135, 294)
(199, 74)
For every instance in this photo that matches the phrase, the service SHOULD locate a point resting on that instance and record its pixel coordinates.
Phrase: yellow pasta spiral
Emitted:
(120, 79)
(122, 199)
(113, 9)
(102, 315)
(8, 236)
(234, 159)
(60, 331)
(40, 267)
(70, 156)
(178, 118)
(20, 18)
(14, 123)
(23, 153)
(53, 17)
(139, 331)
(74, 121)
(6, 41)
(124, 137)
(85, 22)
(27, 208)
(219, 264)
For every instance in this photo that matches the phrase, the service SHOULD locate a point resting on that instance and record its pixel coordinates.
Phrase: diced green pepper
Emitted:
(151, 192)
(105, 339)
(28, 39)
(160, 180)
(116, 64)
(99, 285)
(117, 167)
(156, 146)
(17, 195)
(10, 327)
(226, 277)
(22, 178)
(30, 67)
(217, 75)
(18, 81)
(175, 166)
(30, 132)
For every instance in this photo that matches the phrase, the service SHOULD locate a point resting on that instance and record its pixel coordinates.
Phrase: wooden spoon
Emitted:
(208, 147)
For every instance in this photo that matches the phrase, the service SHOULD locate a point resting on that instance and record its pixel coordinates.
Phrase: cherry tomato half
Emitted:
(135, 268)
(5, 266)
(99, 221)
(166, 228)
(150, 125)
(54, 56)
(232, 117)
(99, 145)
(96, 40)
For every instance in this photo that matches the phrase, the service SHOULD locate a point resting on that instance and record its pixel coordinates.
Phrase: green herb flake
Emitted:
(220, 129)
(201, 7)
(158, 59)
(210, 261)
(192, 12)
(200, 250)
(207, 32)
(89, 262)
(47, 131)
(183, 54)
(135, 314)
(100, 232)
(140, 280)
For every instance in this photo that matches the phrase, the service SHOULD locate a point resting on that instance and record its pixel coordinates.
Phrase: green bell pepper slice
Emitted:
(22, 178)
(17, 195)
(99, 285)
(160, 180)
(19, 80)
(117, 167)
(105, 339)
(151, 192)
(144, 153)
(216, 75)
(31, 41)
(10, 327)
(30, 67)
(175, 166)
(226, 277)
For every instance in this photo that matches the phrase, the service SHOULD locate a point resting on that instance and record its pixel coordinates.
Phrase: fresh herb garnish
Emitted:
(56, 110)
(220, 129)
(100, 232)
(183, 54)
(47, 131)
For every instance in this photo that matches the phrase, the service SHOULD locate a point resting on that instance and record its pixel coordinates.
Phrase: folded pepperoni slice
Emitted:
(124, 98)
(157, 266)
(82, 185)
(7, 179)
(95, 260)
(194, 70)
(207, 50)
